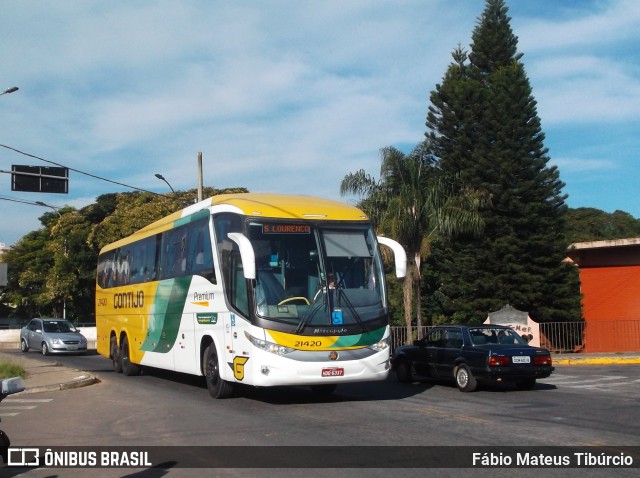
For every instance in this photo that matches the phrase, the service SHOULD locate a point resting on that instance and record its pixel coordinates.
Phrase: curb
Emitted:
(597, 361)
(83, 380)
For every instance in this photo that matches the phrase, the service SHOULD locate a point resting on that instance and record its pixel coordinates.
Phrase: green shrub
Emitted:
(8, 370)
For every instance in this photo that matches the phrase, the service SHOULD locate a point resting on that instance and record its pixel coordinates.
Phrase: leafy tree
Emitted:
(70, 280)
(28, 260)
(483, 125)
(128, 212)
(52, 270)
(413, 202)
(590, 224)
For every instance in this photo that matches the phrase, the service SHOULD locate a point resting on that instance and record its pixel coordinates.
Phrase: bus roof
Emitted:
(283, 206)
(287, 206)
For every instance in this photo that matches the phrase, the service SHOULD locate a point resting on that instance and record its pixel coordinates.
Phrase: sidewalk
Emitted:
(52, 375)
(48, 376)
(623, 358)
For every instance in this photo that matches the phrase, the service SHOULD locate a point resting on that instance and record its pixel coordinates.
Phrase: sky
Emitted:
(290, 96)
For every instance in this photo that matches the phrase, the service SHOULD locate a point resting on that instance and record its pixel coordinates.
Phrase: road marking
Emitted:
(599, 382)
(27, 400)
(20, 404)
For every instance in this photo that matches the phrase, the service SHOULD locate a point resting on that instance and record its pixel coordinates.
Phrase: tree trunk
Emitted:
(416, 285)
(408, 301)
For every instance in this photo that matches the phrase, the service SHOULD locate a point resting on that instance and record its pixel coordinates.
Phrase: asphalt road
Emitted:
(576, 406)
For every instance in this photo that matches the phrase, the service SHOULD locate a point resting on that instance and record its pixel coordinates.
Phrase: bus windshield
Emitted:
(310, 274)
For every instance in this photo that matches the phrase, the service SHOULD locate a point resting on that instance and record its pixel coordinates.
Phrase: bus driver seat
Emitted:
(269, 289)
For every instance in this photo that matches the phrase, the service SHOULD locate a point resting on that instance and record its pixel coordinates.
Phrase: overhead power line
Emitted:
(78, 171)
(6, 198)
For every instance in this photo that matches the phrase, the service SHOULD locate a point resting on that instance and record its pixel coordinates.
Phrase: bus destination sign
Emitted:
(286, 228)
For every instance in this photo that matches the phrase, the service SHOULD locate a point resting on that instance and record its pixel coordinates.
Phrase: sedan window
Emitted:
(496, 335)
(436, 338)
(453, 339)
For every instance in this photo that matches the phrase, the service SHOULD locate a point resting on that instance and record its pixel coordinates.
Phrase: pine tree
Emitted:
(484, 126)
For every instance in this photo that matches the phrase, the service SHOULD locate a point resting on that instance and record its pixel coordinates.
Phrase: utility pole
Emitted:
(200, 198)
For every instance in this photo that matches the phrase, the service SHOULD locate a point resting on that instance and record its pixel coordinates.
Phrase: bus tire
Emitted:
(217, 387)
(116, 356)
(128, 368)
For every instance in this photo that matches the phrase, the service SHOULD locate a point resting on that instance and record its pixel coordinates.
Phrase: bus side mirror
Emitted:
(400, 256)
(247, 255)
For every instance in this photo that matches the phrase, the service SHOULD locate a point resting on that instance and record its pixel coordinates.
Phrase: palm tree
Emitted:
(412, 202)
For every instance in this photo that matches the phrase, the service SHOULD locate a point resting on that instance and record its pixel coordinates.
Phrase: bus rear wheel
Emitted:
(116, 357)
(217, 387)
(128, 368)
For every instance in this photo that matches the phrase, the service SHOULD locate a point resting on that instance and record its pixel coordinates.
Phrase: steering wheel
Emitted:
(290, 299)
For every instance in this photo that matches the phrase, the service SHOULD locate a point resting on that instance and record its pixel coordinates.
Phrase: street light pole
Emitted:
(9, 90)
(160, 176)
(44, 204)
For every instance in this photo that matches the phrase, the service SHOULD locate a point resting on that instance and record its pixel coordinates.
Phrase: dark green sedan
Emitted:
(472, 354)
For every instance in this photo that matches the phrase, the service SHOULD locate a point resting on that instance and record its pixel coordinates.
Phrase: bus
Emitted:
(250, 288)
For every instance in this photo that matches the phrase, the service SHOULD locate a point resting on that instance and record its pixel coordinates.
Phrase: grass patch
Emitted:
(9, 370)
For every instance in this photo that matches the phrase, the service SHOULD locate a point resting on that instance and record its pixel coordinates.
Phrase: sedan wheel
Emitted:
(23, 346)
(403, 372)
(45, 349)
(465, 381)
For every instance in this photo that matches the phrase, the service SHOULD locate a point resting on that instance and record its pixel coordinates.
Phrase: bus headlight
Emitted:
(268, 346)
(380, 346)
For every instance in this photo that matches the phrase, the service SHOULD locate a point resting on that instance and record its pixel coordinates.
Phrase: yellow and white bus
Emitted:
(258, 289)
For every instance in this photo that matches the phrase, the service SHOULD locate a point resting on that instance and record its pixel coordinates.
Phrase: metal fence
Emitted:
(610, 336)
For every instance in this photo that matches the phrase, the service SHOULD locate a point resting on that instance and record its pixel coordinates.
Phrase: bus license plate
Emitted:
(523, 359)
(332, 372)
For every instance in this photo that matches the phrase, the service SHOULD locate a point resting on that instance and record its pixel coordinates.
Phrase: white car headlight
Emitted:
(268, 346)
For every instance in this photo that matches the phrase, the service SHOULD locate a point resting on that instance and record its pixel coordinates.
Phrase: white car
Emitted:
(52, 336)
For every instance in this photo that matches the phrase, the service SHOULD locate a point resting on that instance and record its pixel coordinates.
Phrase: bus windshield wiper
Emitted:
(343, 297)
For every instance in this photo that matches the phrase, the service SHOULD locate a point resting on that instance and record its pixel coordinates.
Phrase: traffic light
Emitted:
(39, 179)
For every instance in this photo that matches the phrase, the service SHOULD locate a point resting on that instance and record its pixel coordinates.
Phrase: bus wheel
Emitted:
(218, 388)
(116, 357)
(128, 368)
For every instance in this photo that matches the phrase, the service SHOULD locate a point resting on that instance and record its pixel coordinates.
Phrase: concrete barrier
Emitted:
(10, 338)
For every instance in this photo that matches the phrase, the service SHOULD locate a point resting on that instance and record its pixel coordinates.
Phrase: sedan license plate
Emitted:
(521, 359)
(332, 372)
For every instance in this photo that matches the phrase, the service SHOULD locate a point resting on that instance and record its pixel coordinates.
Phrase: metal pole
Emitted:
(9, 90)
(161, 177)
(200, 187)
